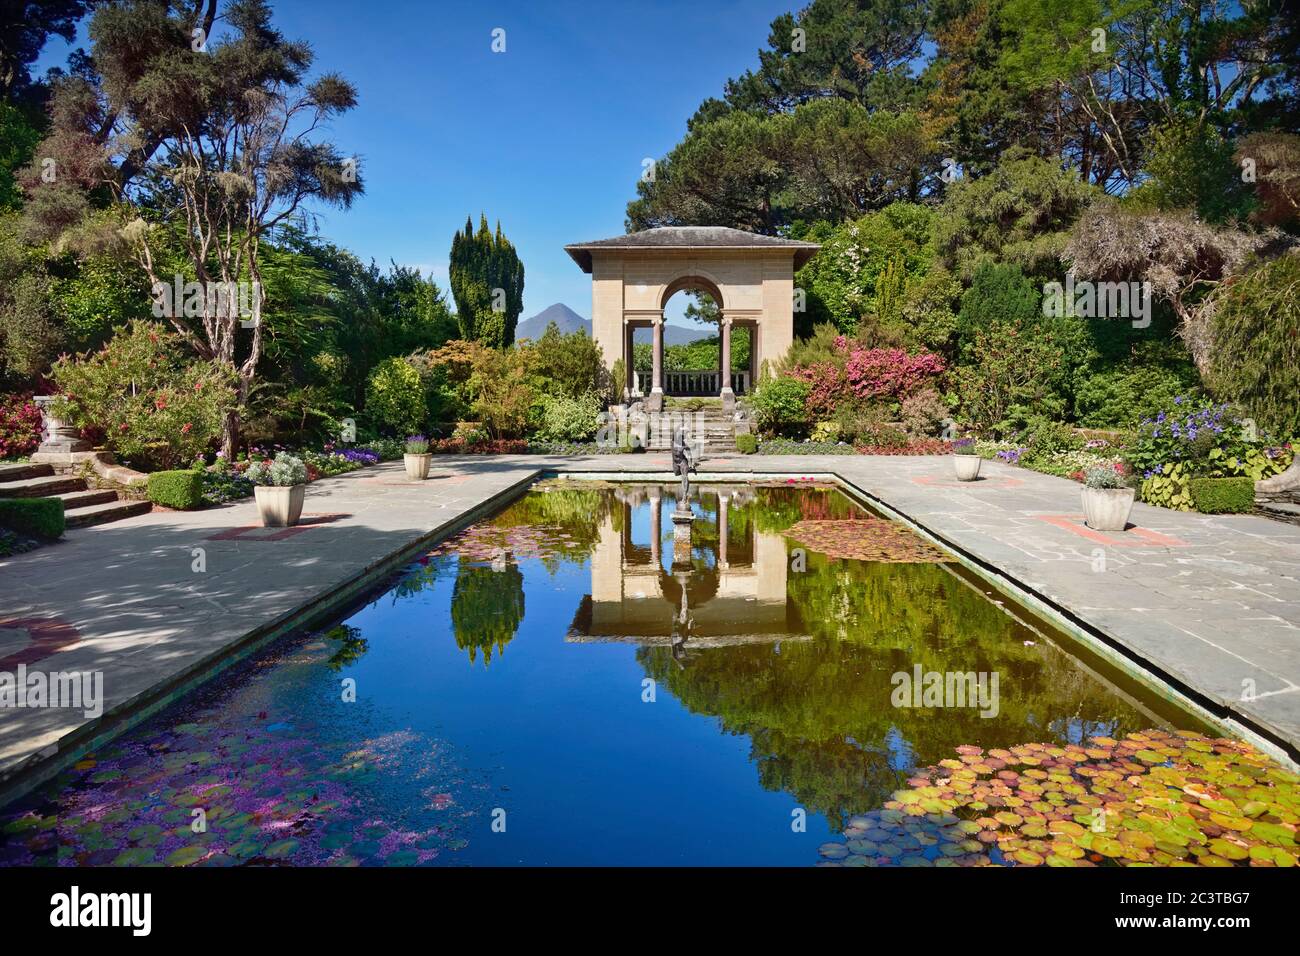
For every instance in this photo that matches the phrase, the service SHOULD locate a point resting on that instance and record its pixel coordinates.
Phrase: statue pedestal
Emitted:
(682, 538)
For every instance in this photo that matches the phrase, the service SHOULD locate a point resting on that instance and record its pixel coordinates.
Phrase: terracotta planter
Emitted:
(967, 467)
(1107, 509)
(417, 466)
(279, 506)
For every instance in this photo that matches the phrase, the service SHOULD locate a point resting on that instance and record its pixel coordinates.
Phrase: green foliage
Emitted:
(570, 366)
(746, 443)
(1256, 361)
(1117, 396)
(561, 418)
(395, 399)
(487, 282)
(998, 293)
(42, 517)
(1009, 372)
(1021, 214)
(487, 606)
(1191, 166)
(779, 405)
(182, 490)
(866, 267)
(18, 138)
(1213, 496)
(155, 407)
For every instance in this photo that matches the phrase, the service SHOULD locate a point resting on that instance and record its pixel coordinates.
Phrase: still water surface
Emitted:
(565, 684)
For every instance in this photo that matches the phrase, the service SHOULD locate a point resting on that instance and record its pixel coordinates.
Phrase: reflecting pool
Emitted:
(582, 680)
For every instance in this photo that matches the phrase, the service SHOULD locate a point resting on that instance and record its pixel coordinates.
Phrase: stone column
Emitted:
(656, 401)
(724, 500)
(656, 525)
(728, 396)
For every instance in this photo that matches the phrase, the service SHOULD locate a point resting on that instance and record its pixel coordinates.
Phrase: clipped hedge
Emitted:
(42, 517)
(182, 490)
(746, 444)
(1217, 496)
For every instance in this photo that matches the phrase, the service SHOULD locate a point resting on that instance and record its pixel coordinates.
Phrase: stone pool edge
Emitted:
(31, 772)
(1130, 661)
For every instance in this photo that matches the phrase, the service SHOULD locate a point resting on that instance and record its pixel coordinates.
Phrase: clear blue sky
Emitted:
(548, 137)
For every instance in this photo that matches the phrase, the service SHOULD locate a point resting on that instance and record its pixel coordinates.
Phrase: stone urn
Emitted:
(966, 467)
(1107, 509)
(58, 437)
(279, 506)
(417, 466)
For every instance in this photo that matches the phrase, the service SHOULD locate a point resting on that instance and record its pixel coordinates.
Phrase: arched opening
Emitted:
(692, 344)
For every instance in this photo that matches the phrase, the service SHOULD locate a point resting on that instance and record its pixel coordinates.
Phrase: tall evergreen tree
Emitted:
(487, 283)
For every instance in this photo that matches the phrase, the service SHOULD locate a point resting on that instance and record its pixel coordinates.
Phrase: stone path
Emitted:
(1213, 602)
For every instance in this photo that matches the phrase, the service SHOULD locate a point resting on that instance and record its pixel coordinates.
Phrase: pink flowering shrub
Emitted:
(20, 425)
(866, 374)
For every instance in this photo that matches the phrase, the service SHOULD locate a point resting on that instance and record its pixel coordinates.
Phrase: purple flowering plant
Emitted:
(1194, 432)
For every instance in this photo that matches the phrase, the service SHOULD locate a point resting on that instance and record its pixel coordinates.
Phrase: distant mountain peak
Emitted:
(568, 322)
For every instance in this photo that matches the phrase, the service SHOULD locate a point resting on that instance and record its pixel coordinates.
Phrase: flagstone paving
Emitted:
(1211, 602)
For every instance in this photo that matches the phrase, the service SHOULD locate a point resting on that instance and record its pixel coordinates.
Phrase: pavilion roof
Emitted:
(690, 237)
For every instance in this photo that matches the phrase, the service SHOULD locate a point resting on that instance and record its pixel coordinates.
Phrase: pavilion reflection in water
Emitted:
(726, 586)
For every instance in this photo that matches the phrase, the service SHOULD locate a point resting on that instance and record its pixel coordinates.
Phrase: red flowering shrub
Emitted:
(157, 406)
(20, 425)
(857, 373)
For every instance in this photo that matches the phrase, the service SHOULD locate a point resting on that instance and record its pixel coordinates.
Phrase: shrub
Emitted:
(1214, 496)
(1167, 487)
(416, 445)
(502, 395)
(1119, 396)
(182, 490)
(570, 366)
(42, 517)
(1256, 360)
(285, 471)
(1010, 370)
(780, 408)
(562, 418)
(1204, 439)
(858, 373)
(924, 413)
(20, 425)
(998, 293)
(746, 443)
(155, 407)
(395, 399)
(224, 484)
(825, 432)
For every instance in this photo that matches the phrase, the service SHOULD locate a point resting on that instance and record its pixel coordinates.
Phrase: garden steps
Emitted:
(24, 470)
(45, 486)
(79, 499)
(84, 516)
(82, 506)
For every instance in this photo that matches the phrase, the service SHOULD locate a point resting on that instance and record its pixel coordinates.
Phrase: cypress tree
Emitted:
(487, 283)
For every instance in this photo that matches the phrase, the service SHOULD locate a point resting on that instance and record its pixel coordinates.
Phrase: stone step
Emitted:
(102, 514)
(42, 487)
(79, 499)
(24, 470)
